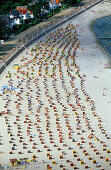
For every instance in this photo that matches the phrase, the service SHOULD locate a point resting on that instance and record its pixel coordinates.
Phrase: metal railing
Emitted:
(36, 35)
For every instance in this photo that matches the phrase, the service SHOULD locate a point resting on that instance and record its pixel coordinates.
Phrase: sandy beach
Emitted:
(56, 100)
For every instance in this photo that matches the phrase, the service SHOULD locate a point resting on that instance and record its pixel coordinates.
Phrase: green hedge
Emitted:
(21, 28)
(34, 23)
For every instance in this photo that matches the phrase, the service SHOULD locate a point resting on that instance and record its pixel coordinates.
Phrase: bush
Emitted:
(57, 10)
(49, 15)
(24, 27)
(20, 28)
(34, 22)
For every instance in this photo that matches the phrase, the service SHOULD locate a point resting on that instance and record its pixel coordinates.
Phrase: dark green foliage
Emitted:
(34, 22)
(70, 2)
(20, 28)
(50, 14)
(5, 32)
(36, 8)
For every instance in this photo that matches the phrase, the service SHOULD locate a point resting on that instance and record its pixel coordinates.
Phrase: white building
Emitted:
(15, 18)
(31, 15)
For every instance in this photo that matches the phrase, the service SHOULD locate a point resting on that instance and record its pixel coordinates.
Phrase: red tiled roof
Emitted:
(13, 160)
(19, 8)
(57, 1)
(22, 9)
(23, 12)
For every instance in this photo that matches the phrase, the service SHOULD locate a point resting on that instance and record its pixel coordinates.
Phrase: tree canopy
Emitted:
(70, 2)
(36, 8)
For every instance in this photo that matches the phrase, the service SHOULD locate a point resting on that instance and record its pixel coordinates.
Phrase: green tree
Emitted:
(2, 25)
(6, 7)
(5, 32)
(69, 2)
(37, 9)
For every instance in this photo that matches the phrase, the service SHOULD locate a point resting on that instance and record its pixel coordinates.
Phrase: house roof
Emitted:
(22, 9)
(5, 18)
(13, 160)
(15, 13)
(57, 1)
(23, 12)
(19, 8)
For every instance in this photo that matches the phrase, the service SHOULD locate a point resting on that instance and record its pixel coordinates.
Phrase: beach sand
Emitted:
(58, 100)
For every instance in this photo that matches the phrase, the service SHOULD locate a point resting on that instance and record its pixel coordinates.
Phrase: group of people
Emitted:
(51, 118)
